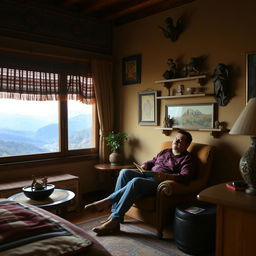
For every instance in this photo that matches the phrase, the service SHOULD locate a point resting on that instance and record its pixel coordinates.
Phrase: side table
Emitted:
(9, 187)
(113, 169)
(57, 202)
(236, 220)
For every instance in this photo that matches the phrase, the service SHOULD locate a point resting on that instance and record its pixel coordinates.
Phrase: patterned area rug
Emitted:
(133, 241)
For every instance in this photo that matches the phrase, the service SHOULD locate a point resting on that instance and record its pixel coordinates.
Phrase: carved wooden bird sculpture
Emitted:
(172, 31)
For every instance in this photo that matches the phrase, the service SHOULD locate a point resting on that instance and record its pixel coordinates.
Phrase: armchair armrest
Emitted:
(171, 187)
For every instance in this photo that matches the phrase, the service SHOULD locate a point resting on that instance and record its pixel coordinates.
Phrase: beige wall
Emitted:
(221, 30)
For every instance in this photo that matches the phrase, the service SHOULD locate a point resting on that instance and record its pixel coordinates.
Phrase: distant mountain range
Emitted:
(193, 119)
(192, 113)
(13, 148)
(25, 136)
(21, 122)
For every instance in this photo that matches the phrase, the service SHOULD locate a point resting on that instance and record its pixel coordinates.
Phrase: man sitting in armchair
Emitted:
(175, 163)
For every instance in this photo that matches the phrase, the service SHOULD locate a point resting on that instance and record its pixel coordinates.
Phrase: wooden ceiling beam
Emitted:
(134, 8)
(99, 5)
(147, 11)
(115, 11)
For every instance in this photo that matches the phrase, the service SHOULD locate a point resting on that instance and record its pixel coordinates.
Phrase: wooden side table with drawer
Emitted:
(236, 220)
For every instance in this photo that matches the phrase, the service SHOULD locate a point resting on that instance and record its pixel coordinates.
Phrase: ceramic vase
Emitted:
(115, 158)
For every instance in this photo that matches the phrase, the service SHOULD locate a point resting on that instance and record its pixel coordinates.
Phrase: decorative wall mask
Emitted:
(221, 84)
(172, 31)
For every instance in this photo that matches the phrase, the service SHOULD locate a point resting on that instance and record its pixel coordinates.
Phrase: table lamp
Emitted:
(246, 125)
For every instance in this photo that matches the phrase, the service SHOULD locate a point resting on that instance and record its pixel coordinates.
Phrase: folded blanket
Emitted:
(21, 225)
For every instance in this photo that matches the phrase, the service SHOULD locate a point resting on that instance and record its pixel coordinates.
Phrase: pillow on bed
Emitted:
(26, 231)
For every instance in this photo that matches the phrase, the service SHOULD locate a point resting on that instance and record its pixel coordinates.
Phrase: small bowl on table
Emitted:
(38, 194)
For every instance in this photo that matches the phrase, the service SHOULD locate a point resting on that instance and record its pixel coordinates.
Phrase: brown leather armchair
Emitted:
(158, 210)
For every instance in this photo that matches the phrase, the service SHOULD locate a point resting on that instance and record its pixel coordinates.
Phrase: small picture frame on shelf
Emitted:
(192, 116)
(148, 108)
(131, 70)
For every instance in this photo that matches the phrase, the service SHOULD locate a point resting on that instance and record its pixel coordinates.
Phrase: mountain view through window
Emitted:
(32, 127)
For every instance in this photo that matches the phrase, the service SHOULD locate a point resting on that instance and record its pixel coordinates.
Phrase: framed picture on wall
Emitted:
(191, 116)
(148, 110)
(131, 70)
(250, 76)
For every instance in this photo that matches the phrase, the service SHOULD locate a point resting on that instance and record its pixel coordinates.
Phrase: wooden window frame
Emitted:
(64, 152)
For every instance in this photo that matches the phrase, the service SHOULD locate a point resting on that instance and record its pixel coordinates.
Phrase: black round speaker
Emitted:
(194, 233)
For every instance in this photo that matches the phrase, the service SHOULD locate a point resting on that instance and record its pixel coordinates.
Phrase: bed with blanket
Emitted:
(30, 231)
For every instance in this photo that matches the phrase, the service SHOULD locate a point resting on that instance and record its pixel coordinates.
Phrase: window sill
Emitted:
(47, 161)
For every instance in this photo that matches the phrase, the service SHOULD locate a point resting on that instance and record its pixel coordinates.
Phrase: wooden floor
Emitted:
(82, 216)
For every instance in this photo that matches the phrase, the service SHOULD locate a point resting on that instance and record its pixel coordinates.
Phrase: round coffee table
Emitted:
(58, 201)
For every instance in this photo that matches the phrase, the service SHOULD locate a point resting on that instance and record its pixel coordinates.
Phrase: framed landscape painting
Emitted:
(131, 70)
(191, 116)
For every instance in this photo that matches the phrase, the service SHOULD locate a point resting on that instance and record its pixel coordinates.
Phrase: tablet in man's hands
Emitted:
(143, 171)
(139, 167)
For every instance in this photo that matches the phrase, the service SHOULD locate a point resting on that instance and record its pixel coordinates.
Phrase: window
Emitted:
(80, 125)
(32, 127)
(43, 114)
(28, 127)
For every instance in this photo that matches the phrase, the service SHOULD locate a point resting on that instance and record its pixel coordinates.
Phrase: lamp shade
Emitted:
(246, 122)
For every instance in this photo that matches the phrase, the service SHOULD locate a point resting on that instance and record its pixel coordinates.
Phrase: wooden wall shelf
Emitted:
(183, 96)
(181, 79)
(168, 83)
(214, 131)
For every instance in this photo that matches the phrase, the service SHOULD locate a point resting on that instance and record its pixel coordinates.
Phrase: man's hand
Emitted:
(144, 166)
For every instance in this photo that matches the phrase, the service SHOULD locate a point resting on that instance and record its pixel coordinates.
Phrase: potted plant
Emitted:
(115, 141)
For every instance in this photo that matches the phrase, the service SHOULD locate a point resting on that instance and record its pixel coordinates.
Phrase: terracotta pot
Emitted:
(115, 158)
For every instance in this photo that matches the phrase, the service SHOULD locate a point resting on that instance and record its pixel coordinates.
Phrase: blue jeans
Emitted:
(130, 186)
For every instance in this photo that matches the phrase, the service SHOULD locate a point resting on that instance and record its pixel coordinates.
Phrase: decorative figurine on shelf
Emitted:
(37, 185)
(172, 31)
(221, 84)
(172, 72)
(193, 67)
(168, 122)
(180, 90)
(190, 90)
(220, 125)
(216, 124)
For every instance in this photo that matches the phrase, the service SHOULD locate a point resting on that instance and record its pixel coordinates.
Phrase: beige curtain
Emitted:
(102, 77)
